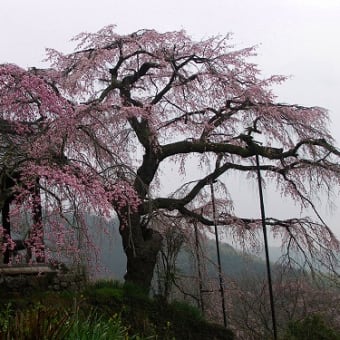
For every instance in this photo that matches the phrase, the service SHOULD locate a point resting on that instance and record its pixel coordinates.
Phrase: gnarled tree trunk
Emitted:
(141, 246)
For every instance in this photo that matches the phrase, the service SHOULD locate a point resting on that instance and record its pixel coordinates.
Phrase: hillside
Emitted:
(105, 310)
(234, 263)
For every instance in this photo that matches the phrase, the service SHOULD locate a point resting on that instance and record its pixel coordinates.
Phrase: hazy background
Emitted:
(294, 37)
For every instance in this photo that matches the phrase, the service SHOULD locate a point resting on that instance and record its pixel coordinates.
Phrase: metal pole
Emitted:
(218, 256)
(263, 217)
(199, 269)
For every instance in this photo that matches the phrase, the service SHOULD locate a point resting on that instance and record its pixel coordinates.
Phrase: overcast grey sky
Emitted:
(295, 37)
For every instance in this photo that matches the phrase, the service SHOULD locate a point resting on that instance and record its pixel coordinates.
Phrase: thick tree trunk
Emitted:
(37, 232)
(6, 228)
(141, 248)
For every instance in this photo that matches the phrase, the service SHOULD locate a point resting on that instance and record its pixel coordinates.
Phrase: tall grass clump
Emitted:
(46, 323)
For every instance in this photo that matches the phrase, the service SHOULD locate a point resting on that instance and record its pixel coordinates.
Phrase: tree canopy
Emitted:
(96, 126)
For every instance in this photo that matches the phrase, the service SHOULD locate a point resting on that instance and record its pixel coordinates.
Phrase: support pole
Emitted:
(218, 256)
(198, 259)
(263, 217)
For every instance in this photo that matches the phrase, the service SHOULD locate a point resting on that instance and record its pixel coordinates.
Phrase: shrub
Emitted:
(43, 323)
(312, 327)
(96, 327)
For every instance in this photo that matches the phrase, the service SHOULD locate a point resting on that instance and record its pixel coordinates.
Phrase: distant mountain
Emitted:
(275, 253)
(233, 262)
(110, 256)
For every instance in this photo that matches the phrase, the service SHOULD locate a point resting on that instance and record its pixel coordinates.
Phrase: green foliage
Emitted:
(5, 316)
(107, 289)
(116, 289)
(104, 310)
(133, 291)
(45, 323)
(106, 284)
(312, 327)
(96, 327)
(36, 323)
(186, 310)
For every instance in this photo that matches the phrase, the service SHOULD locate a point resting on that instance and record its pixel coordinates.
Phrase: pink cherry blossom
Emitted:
(96, 127)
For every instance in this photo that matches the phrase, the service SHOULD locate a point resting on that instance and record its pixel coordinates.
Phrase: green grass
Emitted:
(103, 310)
(313, 327)
(40, 322)
(96, 327)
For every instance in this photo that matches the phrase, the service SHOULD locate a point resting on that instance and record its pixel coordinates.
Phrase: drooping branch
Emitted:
(170, 97)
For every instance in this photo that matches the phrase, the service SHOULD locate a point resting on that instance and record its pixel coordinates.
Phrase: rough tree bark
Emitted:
(141, 248)
(36, 234)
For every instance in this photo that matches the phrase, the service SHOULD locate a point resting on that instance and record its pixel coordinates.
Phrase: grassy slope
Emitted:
(149, 318)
